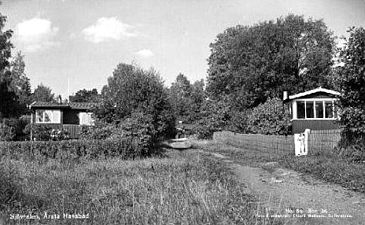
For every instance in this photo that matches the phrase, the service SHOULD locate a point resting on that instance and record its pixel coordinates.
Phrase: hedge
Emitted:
(126, 148)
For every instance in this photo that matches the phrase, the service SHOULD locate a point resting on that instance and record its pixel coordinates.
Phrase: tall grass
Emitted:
(186, 188)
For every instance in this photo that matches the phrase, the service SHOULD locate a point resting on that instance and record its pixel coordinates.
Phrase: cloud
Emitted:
(106, 29)
(36, 34)
(144, 53)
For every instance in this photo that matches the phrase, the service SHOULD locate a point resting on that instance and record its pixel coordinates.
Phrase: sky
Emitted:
(75, 44)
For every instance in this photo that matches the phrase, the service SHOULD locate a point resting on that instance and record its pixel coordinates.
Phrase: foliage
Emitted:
(7, 133)
(85, 96)
(252, 64)
(40, 132)
(186, 98)
(215, 116)
(138, 126)
(44, 132)
(42, 151)
(352, 82)
(9, 99)
(100, 131)
(20, 82)
(267, 118)
(134, 90)
(15, 127)
(59, 134)
(43, 94)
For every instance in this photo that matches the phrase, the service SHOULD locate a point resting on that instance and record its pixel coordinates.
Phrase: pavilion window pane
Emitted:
(328, 109)
(39, 116)
(310, 109)
(47, 116)
(300, 110)
(319, 109)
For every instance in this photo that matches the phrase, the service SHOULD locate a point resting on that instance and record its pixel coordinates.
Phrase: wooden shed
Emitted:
(69, 116)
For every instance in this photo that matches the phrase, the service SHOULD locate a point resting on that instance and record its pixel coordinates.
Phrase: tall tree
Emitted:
(251, 64)
(19, 81)
(179, 97)
(8, 98)
(85, 96)
(132, 90)
(352, 82)
(43, 94)
(186, 98)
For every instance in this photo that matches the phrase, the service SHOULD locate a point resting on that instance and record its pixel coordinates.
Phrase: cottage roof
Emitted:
(314, 91)
(71, 105)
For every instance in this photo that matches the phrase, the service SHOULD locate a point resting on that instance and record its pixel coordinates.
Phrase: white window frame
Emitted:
(53, 116)
(314, 100)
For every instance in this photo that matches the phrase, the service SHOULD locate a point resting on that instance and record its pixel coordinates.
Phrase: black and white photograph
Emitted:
(182, 112)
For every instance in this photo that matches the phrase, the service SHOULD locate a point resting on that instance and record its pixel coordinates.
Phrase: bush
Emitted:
(43, 132)
(13, 128)
(215, 116)
(41, 151)
(40, 132)
(267, 118)
(101, 131)
(7, 133)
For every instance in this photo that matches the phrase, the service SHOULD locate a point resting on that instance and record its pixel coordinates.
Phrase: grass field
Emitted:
(325, 165)
(181, 188)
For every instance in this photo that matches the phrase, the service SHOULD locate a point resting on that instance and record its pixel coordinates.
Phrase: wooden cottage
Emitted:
(315, 110)
(69, 116)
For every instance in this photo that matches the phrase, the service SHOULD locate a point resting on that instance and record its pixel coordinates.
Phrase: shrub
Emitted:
(267, 118)
(73, 149)
(43, 132)
(7, 133)
(13, 128)
(40, 132)
(215, 116)
(101, 131)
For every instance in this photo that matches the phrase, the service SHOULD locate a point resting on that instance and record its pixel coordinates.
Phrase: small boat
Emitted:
(179, 143)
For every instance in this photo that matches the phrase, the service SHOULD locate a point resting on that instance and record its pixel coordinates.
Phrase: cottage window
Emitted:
(86, 118)
(48, 116)
(315, 109)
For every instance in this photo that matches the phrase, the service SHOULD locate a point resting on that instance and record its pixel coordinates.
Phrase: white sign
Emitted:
(301, 143)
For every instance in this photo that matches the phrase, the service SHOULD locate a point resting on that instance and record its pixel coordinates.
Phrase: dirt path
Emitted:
(286, 192)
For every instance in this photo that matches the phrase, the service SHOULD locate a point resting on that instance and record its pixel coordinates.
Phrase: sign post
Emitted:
(301, 143)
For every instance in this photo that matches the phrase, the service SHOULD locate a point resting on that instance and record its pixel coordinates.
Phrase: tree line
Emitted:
(249, 67)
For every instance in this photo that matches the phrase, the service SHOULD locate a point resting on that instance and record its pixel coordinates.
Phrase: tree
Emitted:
(252, 64)
(180, 97)
(20, 82)
(352, 82)
(186, 98)
(85, 96)
(8, 99)
(43, 94)
(132, 90)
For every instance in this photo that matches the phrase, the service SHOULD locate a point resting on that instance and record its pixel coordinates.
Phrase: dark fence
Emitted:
(323, 140)
(266, 143)
(74, 130)
(319, 140)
